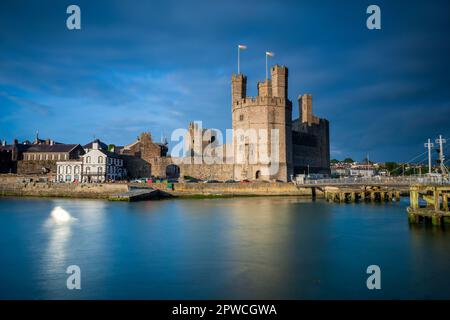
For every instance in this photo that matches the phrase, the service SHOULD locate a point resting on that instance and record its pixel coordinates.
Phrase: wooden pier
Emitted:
(364, 193)
(435, 209)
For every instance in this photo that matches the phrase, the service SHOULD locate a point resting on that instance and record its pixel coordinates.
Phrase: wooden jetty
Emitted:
(347, 194)
(436, 210)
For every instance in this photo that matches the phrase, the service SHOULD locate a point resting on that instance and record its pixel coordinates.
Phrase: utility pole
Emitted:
(441, 152)
(429, 145)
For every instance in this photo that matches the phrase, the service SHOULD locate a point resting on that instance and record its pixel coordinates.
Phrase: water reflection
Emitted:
(58, 226)
(274, 248)
(74, 230)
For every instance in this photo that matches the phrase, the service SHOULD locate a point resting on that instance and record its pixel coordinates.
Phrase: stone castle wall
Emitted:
(35, 166)
(311, 147)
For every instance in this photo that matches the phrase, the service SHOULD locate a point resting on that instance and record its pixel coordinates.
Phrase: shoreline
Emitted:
(110, 191)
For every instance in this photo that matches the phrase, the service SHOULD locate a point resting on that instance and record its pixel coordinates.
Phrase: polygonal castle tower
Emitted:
(271, 109)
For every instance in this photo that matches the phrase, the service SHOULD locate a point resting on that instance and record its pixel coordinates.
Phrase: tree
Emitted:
(348, 160)
(334, 161)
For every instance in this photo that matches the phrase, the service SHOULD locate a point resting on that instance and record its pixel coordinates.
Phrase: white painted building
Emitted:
(100, 165)
(97, 165)
(69, 171)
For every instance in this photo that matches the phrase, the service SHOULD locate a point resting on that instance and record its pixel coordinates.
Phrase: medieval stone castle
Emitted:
(301, 145)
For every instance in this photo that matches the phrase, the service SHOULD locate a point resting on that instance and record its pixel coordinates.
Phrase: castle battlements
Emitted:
(258, 101)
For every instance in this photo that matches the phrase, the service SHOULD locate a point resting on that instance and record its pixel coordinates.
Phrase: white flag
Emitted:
(270, 54)
(241, 46)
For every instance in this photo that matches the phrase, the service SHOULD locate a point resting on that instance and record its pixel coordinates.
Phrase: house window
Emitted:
(77, 169)
(100, 170)
(68, 169)
(61, 178)
(66, 156)
(100, 159)
(88, 170)
(60, 169)
(68, 177)
(77, 177)
(88, 159)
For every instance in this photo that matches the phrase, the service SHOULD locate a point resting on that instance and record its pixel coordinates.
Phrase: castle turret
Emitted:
(305, 106)
(265, 88)
(238, 87)
(279, 76)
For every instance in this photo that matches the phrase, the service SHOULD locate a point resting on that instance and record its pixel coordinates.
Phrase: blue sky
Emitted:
(156, 65)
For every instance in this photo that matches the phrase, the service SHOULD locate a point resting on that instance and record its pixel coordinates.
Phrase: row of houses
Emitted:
(355, 169)
(93, 162)
(96, 165)
(65, 162)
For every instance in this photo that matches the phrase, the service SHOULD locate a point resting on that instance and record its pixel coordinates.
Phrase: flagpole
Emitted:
(267, 75)
(239, 67)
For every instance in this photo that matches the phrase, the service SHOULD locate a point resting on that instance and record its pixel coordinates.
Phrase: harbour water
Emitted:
(235, 248)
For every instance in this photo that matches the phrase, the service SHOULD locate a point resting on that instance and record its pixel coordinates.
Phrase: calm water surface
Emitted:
(256, 248)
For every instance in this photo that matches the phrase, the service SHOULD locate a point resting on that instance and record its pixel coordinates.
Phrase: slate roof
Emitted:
(51, 148)
(101, 145)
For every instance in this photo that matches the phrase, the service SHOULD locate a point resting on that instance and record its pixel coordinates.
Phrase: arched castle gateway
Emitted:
(302, 145)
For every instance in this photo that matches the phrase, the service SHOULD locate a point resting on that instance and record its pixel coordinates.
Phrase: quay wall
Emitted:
(63, 190)
(244, 189)
(15, 185)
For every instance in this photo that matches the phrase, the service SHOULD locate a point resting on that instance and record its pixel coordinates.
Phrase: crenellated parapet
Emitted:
(259, 101)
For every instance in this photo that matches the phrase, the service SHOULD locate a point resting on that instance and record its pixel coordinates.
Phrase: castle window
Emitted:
(241, 117)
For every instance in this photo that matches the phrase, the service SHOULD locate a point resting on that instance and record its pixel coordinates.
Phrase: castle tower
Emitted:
(305, 106)
(279, 76)
(268, 113)
(264, 88)
(238, 87)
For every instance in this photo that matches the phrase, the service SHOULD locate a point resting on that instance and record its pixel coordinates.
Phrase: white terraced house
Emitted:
(100, 165)
(97, 165)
